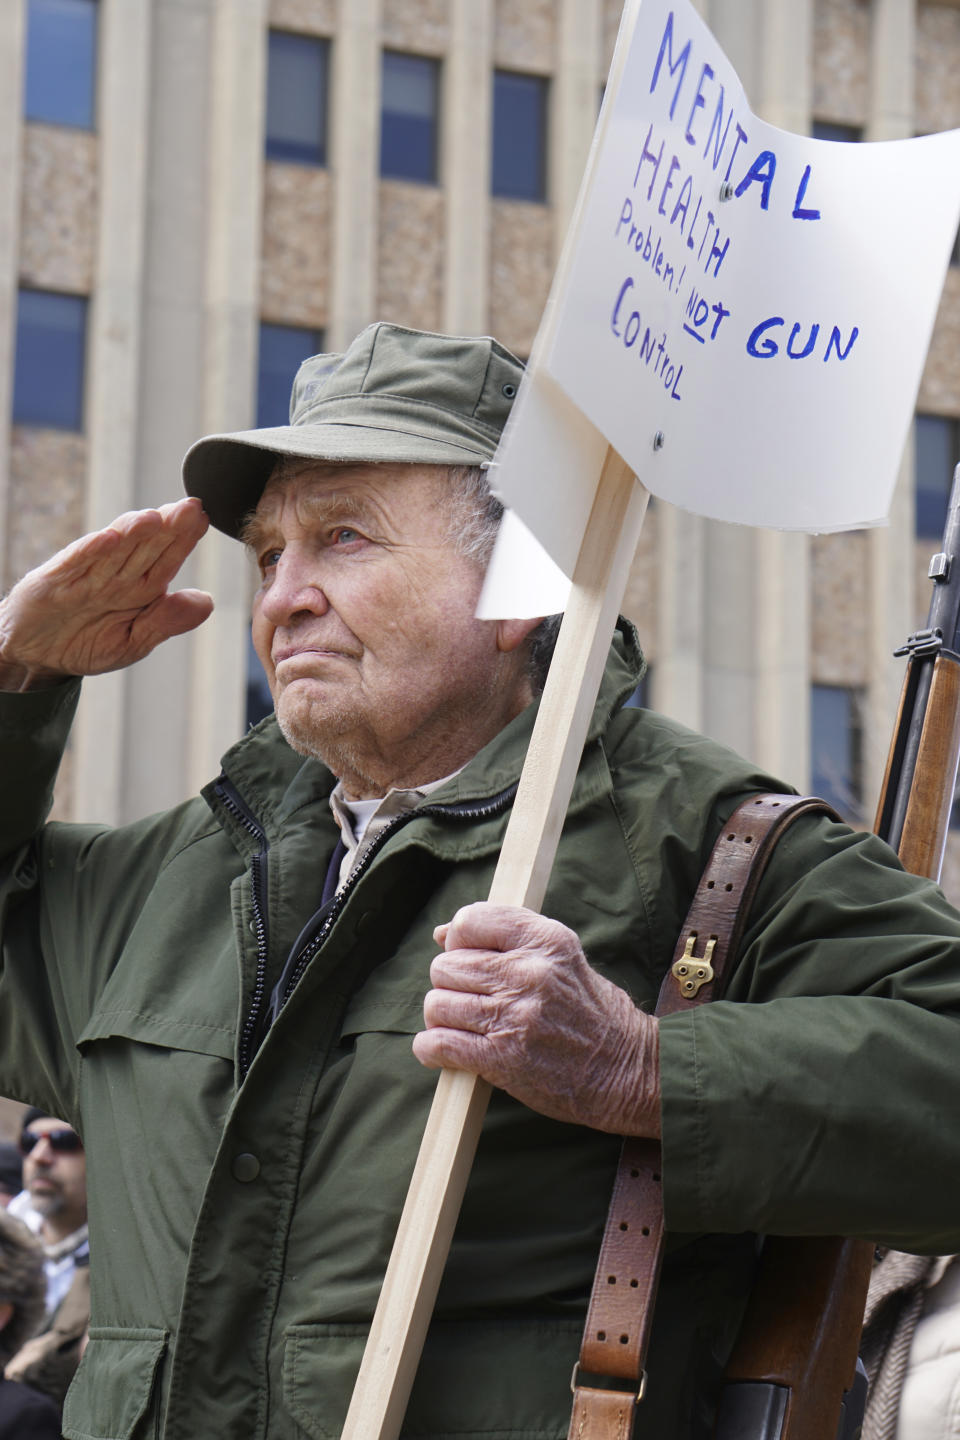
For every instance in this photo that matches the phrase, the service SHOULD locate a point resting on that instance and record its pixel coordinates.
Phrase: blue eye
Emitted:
(346, 536)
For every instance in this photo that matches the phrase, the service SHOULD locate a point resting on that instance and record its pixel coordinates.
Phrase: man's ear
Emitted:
(512, 633)
(6, 1311)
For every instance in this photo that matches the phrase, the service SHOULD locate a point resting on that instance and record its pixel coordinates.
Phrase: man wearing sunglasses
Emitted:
(53, 1204)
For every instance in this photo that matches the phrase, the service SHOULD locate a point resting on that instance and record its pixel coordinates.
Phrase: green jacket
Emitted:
(243, 1200)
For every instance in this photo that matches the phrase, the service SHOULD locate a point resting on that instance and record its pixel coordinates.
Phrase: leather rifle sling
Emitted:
(620, 1313)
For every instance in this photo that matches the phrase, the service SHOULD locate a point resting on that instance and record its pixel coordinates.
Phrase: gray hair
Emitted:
(22, 1284)
(475, 513)
(474, 522)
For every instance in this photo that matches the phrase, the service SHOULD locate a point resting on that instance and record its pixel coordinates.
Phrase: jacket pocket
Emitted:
(385, 1009)
(171, 1031)
(506, 1379)
(113, 1389)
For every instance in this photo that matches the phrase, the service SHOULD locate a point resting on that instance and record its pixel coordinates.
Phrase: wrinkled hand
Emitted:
(102, 603)
(515, 1001)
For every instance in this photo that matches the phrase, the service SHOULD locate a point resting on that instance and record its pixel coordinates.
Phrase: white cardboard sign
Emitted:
(761, 300)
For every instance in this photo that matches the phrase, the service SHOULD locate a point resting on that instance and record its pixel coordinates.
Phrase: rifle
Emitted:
(794, 1372)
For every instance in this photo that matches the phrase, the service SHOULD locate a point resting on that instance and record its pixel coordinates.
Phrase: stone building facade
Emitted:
(186, 239)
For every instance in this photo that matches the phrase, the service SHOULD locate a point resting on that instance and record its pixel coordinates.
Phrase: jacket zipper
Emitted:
(478, 810)
(233, 802)
(482, 811)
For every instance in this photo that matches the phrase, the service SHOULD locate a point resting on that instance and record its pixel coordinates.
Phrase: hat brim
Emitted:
(228, 472)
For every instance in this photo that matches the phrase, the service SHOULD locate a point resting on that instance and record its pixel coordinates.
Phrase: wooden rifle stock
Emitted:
(926, 813)
(796, 1355)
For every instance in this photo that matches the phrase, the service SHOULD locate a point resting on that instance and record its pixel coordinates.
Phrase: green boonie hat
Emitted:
(396, 395)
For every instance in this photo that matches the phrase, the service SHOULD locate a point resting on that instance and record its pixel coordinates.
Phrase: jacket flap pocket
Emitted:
(112, 1388)
(386, 1012)
(173, 1032)
(509, 1379)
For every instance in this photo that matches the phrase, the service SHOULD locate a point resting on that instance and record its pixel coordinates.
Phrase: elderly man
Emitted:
(230, 1000)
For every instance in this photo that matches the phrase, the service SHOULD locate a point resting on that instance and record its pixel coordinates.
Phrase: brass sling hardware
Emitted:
(691, 973)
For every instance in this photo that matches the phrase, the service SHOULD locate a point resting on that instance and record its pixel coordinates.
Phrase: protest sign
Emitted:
(741, 312)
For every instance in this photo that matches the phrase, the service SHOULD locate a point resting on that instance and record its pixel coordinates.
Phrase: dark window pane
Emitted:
(639, 699)
(51, 341)
(61, 61)
(408, 118)
(282, 348)
(259, 699)
(519, 136)
(936, 455)
(835, 743)
(297, 98)
(827, 130)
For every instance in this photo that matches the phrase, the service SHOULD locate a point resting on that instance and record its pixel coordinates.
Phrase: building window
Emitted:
(639, 699)
(282, 349)
(60, 82)
(51, 345)
(827, 130)
(836, 748)
(936, 455)
(408, 117)
(297, 88)
(519, 136)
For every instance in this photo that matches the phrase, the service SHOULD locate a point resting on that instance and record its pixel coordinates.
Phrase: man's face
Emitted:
(364, 623)
(56, 1179)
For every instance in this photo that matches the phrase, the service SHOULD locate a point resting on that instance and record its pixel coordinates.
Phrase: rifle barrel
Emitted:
(940, 637)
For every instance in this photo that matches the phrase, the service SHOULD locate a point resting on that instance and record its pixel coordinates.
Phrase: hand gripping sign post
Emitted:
(741, 317)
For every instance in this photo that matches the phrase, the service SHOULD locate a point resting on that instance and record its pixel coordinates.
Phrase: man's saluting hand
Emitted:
(102, 603)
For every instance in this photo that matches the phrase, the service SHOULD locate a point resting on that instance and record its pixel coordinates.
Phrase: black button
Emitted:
(245, 1168)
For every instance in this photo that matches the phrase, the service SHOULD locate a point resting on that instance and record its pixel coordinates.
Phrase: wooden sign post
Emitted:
(446, 1154)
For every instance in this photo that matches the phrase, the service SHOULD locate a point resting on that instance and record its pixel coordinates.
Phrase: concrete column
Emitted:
(238, 99)
(722, 640)
(782, 618)
(729, 653)
(738, 25)
(158, 710)
(575, 104)
(355, 156)
(465, 163)
(892, 561)
(892, 60)
(678, 678)
(784, 89)
(12, 50)
(113, 359)
(891, 548)
(734, 602)
(467, 137)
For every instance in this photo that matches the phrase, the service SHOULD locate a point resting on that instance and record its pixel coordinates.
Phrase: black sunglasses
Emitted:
(66, 1141)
